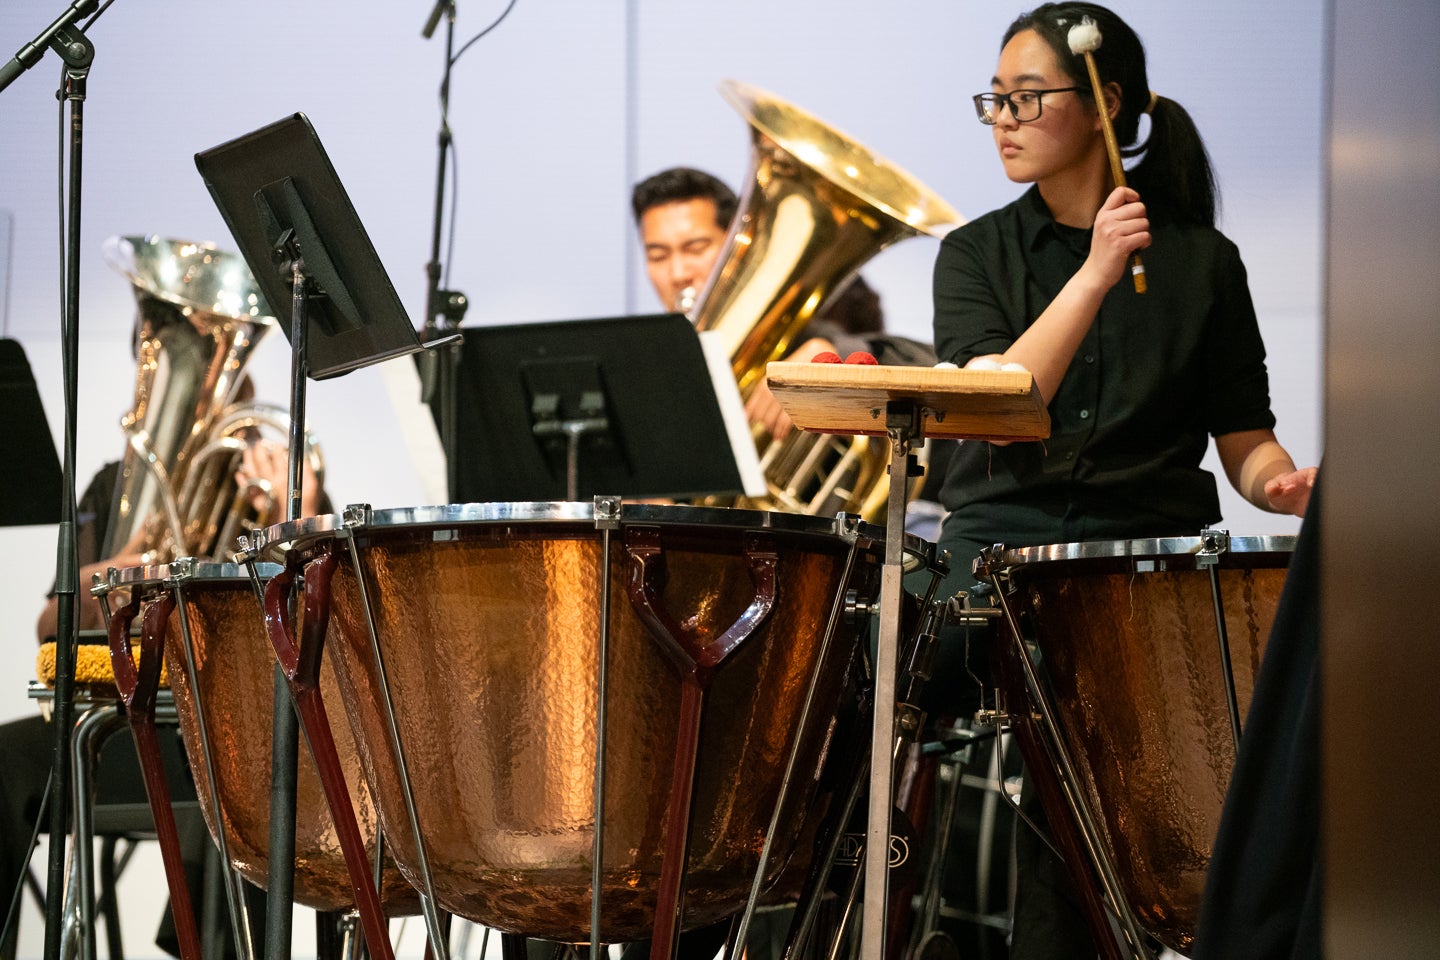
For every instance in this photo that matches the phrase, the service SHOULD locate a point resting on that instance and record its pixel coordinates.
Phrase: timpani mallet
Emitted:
(1084, 40)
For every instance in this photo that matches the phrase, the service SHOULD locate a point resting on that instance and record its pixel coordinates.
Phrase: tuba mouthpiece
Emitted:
(685, 302)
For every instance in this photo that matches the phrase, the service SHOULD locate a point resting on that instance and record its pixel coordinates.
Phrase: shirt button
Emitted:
(1089, 358)
(1084, 414)
(1070, 455)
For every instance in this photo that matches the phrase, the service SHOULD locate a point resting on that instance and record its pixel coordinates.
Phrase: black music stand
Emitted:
(30, 482)
(278, 180)
(304, 242)
(623, 405)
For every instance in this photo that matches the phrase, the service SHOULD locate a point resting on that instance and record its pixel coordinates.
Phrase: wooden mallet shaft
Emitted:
(1112, 147)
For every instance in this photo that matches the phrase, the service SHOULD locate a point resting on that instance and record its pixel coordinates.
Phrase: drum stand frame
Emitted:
(138, 684)
(1052, 741)
(909, 719)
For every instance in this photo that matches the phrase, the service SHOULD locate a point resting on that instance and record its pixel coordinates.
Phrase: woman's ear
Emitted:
(1113, 99)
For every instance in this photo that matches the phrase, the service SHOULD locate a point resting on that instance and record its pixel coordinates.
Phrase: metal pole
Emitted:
(901, 426)
(280, 891)
(67, 572)
(607, 520)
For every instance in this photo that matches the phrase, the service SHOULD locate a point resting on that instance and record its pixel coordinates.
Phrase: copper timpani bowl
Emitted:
(234, 681)
(487, 618)
(1129, 648)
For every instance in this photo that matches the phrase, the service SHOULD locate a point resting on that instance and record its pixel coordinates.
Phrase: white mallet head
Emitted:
(1084, 37)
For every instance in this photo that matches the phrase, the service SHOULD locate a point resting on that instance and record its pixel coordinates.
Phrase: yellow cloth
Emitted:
(92, 665)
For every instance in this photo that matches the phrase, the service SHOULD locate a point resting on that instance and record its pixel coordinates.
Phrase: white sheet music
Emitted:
(732, 409)
(417, 427)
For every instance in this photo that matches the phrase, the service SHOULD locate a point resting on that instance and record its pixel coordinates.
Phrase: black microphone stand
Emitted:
(70, 42)
(439, 374)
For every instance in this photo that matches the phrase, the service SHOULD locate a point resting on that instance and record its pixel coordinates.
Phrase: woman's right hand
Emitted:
(1121, 228)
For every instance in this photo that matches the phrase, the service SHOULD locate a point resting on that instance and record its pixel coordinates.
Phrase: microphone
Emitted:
(30, 54)
(441, 8)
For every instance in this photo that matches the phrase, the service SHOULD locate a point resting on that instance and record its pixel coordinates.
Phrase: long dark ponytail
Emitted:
(1173, 173)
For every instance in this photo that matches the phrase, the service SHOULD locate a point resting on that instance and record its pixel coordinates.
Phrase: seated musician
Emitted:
(26, 745)
(262, 472)
(683, 215)
(1136, 383)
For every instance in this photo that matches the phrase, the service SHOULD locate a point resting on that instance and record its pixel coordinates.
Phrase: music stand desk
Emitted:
(904, 404)
(30, 484)
(661, 418)
(850, 398)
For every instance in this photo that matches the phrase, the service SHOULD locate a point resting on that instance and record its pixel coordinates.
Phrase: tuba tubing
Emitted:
(816, 206)
(200, 318)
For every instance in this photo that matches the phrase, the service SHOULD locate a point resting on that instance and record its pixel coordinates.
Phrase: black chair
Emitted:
(108, 803)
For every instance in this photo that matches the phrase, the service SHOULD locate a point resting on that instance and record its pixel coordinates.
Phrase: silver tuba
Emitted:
(200, 317)
(816, 206)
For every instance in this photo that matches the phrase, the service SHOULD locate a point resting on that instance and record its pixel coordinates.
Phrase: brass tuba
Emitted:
(816, 206)
(200, 317)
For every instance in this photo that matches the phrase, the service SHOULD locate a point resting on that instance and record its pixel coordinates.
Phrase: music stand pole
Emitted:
(78, 53)
(917, 401)
(285, 747)
(902, 427)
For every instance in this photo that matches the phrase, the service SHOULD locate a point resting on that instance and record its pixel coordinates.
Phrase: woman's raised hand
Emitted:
(1121, 228)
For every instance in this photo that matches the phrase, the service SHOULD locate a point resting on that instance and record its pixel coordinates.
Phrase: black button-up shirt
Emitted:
(1156, 375)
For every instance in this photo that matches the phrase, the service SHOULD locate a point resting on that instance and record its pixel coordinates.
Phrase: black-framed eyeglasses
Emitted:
(1024, 104)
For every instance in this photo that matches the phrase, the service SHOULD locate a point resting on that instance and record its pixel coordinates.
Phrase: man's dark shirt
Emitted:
(1155, 376)
(93, 514)
(92, 518)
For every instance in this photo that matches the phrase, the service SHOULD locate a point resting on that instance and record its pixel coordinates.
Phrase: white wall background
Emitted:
(554, 115)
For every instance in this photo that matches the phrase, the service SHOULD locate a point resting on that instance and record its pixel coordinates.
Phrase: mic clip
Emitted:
(442, 8)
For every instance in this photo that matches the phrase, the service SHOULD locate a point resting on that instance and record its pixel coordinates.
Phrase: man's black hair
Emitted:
(678, 184)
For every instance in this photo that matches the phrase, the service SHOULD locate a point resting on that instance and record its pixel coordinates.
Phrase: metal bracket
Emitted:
(1213, 543)
(183, 568)
(242, 549)
(847, 527)
(902, 420)
(356, 515)
(997, 718)
(608, 510)
(985, 568)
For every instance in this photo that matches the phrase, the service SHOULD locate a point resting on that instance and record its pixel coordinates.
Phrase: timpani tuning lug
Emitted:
(847, 526)
(356, 515)
(1212, 544)
(608, 511)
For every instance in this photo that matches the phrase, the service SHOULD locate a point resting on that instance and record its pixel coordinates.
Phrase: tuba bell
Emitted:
(200, 317)
(815, 207)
